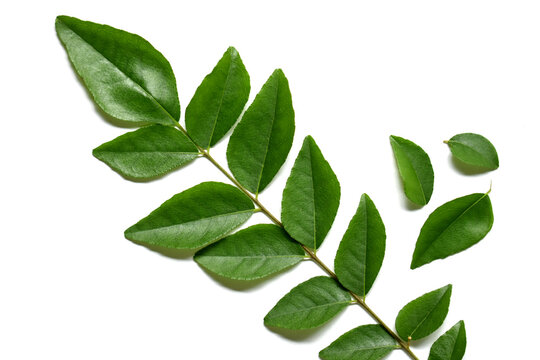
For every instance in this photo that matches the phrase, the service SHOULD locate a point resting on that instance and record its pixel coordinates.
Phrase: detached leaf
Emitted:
(310, 304)
(252, 253)
(361, 251)
(218, 101)
(194, 218)
(474, 149)
(128, 78)
(261, 141)
(423, 316)
(414, 168)
(368, 342)
(311, 197)
(453, 227)
(147, 152)
(451, 345)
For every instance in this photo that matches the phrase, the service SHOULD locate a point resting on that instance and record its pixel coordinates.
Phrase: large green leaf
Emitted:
(261, 141)
(308, 305)
(147, 152)
(451, 345)
(414, 168)
(367, 342)
(311, 197)
(474, 149)
(453, 227)
(424, 315)
(252, 253)
(218, 101)
(128, 78)
(194, 218)
(361, 251)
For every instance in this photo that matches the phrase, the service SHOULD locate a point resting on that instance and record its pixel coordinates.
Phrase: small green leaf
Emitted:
(424, 315)
(261, 141)
(194, 218)
(453, 227)
(218, 101)
(414, 168)
(252, 253)
(147, 152)
(451, 345)
(308, 305)
(361, 251)
(128, 78)
(474, 149)
(368, 342)
(311, 197)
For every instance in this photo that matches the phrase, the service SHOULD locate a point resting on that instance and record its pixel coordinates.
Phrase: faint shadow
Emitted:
(176, 254)
(466, 169)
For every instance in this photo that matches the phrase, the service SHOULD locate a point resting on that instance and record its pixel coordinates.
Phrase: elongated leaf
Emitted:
(361, 251)
(368, 342)
(311, 197)
(218, 101)
(252, 253)
(261, 141)
(453, 227)
(424, 315)
(414, 168)
(128, 78)
(474, 149)
(451, 345)
(310, 304)
(147, 152)
(194, 218)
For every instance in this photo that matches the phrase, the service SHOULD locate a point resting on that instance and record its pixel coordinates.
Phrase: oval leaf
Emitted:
(147, 152)
(424, 315)
(252, 253)
(368, 342)
(194, 218)
(261, 141)
(128, 78)
(311, 197)
(453, 227)
(474, 149)
(310, 304)
(218, 101)
(361, 251)
(414, 168)
(451, 345)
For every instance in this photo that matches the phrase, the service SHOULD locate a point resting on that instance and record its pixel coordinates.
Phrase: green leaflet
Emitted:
(424, 315)
(261, 141)
(368, 342)
(311, 197)
(252, 253)
(474, 149)
(218, 101)
(308, 305)
(194, 218)
(451, 345)
(128, 78)
(361, 251)
(453, 227)
(147, 152)
(414, 168)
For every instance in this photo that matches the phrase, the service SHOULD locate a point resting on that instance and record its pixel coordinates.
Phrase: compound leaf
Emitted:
(474, 149)
(451, 345)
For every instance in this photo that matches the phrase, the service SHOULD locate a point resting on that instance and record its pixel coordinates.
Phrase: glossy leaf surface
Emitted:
(414, 168)
(474, 149)
(147, 152)
(194, 218)
(424, 315)
(128, 78)
(252, 253)
(261, 141)
(311, 197)
(308, 305)
(368, 342)
(361, 251)
(453, 227)
(451, 345)
(218, 101)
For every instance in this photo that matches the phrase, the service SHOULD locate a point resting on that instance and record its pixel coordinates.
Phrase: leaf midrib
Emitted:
(310, 308)
(429, 313)
(473, 150)
(414, 170)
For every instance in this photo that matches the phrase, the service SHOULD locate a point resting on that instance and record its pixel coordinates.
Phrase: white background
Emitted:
(71, 286)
